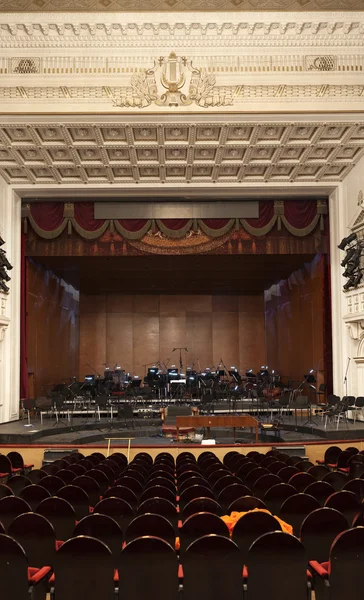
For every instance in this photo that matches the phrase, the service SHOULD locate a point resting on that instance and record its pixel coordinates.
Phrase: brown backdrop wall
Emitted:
(295, 328)
(53, 327)
(137, 329)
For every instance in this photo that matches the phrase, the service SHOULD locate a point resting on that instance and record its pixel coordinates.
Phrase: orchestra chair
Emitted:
(37, 536)
(320, 490)
(344, 458)
(216, 467)
(318, 531)
(105, 468)
(121, 459)
(141, 456)
(159, 506)
(163, 474)
(120, 491)
(250, 527)
(264, 483)
(164, 481)
(17, 462)
(103, 528)
(118, 509)
(90, 486)
(151, 525)
(184, 455)
(77, 498)
(77, 469)
(245, 469)
(232, 492)
(94, 460)
(276, 467)
(148, 565)
(51, 469)
(345, 502)
(336, 479)
(246, 503)
(205, 456)
(215, 476)
(287, 472)
(61, 514)
(66, 475)
(52, 483)
(342, 577)
(268, 460)
(17, 483)
(165, 456)
(131, 483)
(195, 480)
(239, 462)
(200, 524)
(34, 494)
(318, 471)
(118, 468)
(223, 482)
(35, 475)
(296, 508)
(254, 475)
(293, 461)
(230, 458)
(330, 457)
(301, 480)
(10, 508)
(84, 568)
(304, 466)
(6, 468)
(182, 468)
(5, 491)
(158, 491)
(356, 406)
(277, 568)
(87, 464)
(356, 486)
(212, 568)
(202, 504)
(195, 491)
(18, 581)
(135, 471)
(276, 495)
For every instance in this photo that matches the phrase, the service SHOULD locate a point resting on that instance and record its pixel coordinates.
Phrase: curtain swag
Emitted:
(50, 219)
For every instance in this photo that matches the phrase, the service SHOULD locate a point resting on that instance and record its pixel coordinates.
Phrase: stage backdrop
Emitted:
(53, 328)
(133, 330)
(296, 325)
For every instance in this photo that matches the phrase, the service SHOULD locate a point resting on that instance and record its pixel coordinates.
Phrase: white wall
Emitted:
(10, 211)
(346, 328)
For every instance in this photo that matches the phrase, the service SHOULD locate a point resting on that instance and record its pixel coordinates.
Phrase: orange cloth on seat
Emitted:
(235, 516)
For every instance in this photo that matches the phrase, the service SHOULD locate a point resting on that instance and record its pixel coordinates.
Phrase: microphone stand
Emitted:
(346, 377)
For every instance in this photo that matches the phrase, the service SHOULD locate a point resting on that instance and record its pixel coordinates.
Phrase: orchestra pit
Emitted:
(181, 299)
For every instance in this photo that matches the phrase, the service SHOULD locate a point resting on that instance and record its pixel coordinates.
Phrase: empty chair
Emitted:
(356, 486)
(143, 455)
(33, 495)
(10, 508)
(66, 475)
(61, 514)
(163, 475)
(35, 475)
(90, 486)
(250, 527)
(318, 531)
(37, 536)
(195, 491)
(159, 506)
(104, 528)
(346, 502)
(320, 490)
(231, 493)
(5, 491)
(198, 480)
(158, 491)
(301, 480)
(287, 472)
(84, 568)
(105, 468)
(276, 495)
(77, 498)
(121, 459)
(245, 503)
(304, 465)
(215, 476)
(50, 469)
(77, 469)
(17, 462)
(101, 478)
(184, 455)
(296, 508)
(17, 483)
(245, 468)
(293, 461)
(52, 483)
(120, 491)
(318, 472)
(331, 455)
(202, 504)
(277, 466)
(199, 525)
(268, 460)
(277, 564)
(116, 508)
(264, 483)
(148, 565)
(336, 479)
(162, 481)
(254, 475)
(130, 483)
(152, 525)
(212, 567)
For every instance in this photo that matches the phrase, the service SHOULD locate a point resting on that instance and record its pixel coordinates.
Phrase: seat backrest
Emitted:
(320, 490)
(159, 506)
(336, 479)
(346, 560)
(33, 495)
(148, 561)
(13, 569)
(5, 464)
(277, 564)
(346, 502)
(77, 498)
(37, 536)
(61, 514)
(318, 531)
(104, 528)
(202, 504)
(10, 508)
(118, 509)
(250, 527)
(301, 480)
(199, 525)
(296, 508)
(52, 483)
(17, 483)
(90, 486)
(151, 525)
(16, 460)
(212, 567)
(276, 495)
(84, 568)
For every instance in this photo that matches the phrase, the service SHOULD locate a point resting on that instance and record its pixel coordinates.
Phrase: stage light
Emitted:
(273, 372)
(347, 240)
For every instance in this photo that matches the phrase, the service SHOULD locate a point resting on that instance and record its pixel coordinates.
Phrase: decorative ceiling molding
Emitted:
(202, 151)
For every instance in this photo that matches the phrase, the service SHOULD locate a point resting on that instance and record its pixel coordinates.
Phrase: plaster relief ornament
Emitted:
(173, 82)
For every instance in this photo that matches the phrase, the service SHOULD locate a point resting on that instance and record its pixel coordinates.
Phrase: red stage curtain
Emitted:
(300, 213)
(174, 224)
(84, 215)
(133, 224)
(47, 215)
(216, 223)
(23, 322)
(266, 213)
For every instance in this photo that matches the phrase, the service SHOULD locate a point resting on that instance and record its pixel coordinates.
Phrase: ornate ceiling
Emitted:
(179, 151)
(179, 5)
